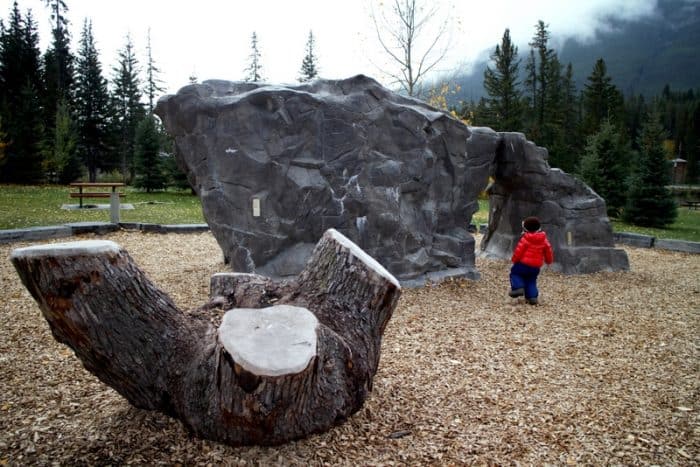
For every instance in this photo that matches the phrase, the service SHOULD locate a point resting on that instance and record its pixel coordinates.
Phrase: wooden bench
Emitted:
(691, 204)
(93, 194)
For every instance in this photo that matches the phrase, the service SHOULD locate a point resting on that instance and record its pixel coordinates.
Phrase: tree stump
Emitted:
(298, 359)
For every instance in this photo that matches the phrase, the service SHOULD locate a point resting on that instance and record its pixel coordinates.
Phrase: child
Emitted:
(532, 251)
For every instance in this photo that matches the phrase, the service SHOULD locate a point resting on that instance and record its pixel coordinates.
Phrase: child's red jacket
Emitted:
(533, 250)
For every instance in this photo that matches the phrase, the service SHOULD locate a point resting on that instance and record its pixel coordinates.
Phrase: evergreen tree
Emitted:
(58, 78)
(530, 85)
(3, 144)
(680, 114)
(504, 109)
(604, 166)
(91, 105)
(63, 164)
(552, 135)
(175, 176)
(309, 66)
(550, 100)
(569, 133)
(127, 107)
(693, 144)
(479, 112)
(58, 13)
(464, 110)
(154, 85)
(601, 99)
(254, 70)
(636, 110)
(20, 105)
(58, 61)
(539, 68)
(150, 174)
(649, 202)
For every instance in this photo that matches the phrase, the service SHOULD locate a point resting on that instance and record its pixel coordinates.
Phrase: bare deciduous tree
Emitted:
(403, 31)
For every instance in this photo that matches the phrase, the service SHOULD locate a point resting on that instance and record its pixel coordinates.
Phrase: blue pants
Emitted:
(524, 277)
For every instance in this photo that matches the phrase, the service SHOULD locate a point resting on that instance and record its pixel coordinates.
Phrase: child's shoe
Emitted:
(532, 300)
(517, 293)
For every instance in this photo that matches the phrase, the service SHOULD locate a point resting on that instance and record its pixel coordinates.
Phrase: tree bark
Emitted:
(133, 338)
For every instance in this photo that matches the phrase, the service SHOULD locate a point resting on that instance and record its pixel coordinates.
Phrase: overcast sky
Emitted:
(211, 38)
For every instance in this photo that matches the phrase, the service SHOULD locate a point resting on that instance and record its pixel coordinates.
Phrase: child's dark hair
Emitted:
(531, 224)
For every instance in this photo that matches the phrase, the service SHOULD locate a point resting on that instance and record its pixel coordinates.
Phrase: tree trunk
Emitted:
(299, 364)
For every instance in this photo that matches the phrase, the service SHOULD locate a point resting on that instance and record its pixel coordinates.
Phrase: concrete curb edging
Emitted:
(648, 241)
(634, 239)
(164, 228)
(677, 245)
(99, 228)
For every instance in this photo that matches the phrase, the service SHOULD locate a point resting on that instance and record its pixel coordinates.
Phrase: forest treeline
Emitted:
(622, 146)
(62, 120)
(536, 94)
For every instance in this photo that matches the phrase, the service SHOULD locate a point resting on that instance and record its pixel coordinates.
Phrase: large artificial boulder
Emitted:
(572, 214)
(276, 166)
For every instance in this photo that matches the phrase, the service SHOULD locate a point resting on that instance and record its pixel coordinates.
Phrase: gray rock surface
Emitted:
(573, 216)
(276, 166)
(387, 171)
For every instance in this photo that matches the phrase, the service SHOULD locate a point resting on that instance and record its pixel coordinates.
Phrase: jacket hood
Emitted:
(536, 238)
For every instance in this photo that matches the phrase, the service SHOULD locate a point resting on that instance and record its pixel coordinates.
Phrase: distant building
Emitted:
(678, 171)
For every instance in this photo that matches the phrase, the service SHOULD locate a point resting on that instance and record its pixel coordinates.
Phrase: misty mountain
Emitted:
(642, 56)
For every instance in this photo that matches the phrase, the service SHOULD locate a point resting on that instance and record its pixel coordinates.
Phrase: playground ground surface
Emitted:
(603, 371)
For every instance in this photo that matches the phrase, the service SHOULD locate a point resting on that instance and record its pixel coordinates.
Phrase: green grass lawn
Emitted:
(686, 227)
(29, 206)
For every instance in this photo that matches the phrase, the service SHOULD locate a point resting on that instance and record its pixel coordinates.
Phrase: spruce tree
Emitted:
(530, 85)
(649, 202)
(254, 70)
(601, 99)
(693, 143)
(552, 135)
(539, 71)
(64, 162)
(150, 171)
(154, 85)
(309, 66)
(569, 142)
(604, 166)
(127, 107)
(3, 145)
(174, 174)
(58, 70)
(20, 104)
(92, 105)
(504, 109)
(548, 92)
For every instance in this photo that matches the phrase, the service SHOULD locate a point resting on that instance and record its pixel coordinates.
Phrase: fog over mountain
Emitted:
(644, 49)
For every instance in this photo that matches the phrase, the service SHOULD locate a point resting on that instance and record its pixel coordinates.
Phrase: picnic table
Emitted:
(691, 204)
(84, 191)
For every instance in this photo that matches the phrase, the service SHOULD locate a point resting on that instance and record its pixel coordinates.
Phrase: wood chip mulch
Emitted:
(606, 370)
